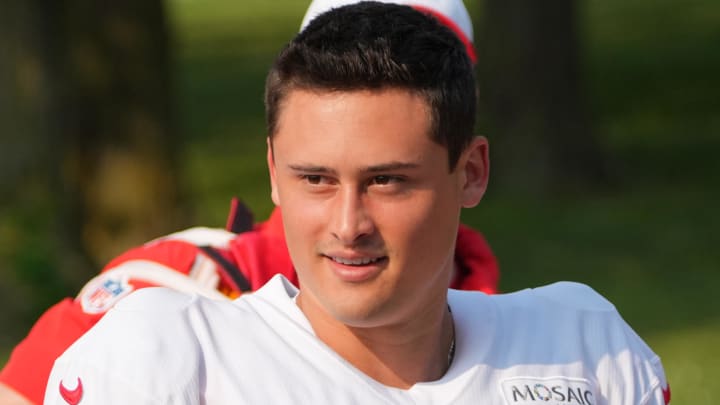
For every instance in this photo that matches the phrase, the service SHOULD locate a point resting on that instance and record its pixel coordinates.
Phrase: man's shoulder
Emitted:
(156, 321)
(567, 294)
(559, 296)
(159, 311)
(162, 314)
(572, 295)
(144, 319)
(156, 300)
(567, 306)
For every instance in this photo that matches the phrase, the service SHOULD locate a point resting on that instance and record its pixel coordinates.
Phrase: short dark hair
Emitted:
(374, 46)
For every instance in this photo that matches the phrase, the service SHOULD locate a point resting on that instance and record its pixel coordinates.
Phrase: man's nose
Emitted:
(350, 218)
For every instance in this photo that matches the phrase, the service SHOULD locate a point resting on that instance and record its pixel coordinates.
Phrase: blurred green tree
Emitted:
(88, 139)
(532, 98)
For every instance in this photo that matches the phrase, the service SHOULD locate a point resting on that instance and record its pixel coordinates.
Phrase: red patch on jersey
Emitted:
(666, 394)
(74, 396)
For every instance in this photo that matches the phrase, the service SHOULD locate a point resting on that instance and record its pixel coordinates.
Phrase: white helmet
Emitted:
(452, 13)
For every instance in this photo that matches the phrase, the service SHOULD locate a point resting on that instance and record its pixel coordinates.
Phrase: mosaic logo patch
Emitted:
(550, 391)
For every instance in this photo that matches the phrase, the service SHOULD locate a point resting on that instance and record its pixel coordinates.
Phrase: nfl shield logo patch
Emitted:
(104, 292)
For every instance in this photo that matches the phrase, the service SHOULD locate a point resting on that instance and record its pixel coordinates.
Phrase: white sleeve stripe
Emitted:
(200, 236)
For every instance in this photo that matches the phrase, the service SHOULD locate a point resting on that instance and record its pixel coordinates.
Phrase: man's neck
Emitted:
(396, 355)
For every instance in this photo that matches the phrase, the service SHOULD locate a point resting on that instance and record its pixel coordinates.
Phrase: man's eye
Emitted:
(385, 180)
(313, 178)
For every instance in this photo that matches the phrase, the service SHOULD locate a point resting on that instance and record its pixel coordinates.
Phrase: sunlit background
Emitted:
(122, 123)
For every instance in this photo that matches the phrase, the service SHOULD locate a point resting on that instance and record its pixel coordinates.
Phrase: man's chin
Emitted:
(361, 312)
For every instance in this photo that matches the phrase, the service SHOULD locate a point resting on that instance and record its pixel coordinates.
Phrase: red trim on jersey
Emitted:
(234, 204)
(176, 254)
(256, 252)
(477, 267)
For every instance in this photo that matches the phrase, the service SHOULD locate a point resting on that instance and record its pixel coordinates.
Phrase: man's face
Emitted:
(369, 206)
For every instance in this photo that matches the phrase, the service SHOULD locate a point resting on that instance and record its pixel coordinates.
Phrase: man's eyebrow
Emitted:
(308, 168)
(391, 166)
(379, 168)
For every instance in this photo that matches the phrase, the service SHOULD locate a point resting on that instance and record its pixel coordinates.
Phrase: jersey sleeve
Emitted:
(141, 352)
(638, 371)
(627, 369)
(30, 362)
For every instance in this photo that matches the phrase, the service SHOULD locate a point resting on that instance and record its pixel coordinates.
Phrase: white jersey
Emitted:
(559, 344)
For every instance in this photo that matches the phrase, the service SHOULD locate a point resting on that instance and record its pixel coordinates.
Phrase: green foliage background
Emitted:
(647, 244)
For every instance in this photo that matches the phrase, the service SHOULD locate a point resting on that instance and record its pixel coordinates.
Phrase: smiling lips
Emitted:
(356, 269)
(361, 261)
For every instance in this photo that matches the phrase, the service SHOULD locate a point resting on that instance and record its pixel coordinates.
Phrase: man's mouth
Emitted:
(360, 261)
(356, 267)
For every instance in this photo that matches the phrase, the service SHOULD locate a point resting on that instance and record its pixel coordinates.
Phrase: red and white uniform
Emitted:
(559, 344)
(200, 260)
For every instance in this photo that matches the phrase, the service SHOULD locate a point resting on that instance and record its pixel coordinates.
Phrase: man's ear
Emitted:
(475, 166)
(271, 167)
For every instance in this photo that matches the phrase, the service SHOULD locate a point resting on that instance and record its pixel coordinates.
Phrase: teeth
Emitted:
(355, 262)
